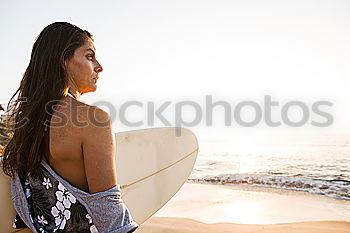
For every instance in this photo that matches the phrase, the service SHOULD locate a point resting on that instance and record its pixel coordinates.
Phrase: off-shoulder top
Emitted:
(51, 204)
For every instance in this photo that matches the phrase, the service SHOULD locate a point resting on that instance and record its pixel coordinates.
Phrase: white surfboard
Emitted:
(152, 165)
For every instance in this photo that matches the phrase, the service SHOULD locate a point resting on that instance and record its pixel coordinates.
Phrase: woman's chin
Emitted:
(92, 89)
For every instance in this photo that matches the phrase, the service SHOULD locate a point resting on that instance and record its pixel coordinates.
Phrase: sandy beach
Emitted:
(222, 208)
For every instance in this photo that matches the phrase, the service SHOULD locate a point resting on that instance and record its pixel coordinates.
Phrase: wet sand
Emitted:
(222, 208)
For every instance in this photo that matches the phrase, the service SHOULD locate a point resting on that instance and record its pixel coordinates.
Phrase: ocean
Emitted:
(315, 163)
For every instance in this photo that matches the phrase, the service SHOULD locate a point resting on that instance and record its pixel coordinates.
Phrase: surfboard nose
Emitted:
(188, 132)
(153, 164)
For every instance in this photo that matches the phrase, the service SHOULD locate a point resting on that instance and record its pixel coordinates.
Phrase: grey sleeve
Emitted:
(20, 202)
(109, 212)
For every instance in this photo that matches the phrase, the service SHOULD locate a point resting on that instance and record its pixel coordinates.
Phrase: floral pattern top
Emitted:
(53, 208)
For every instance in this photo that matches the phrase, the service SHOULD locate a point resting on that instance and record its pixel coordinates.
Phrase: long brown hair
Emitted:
(44, 83)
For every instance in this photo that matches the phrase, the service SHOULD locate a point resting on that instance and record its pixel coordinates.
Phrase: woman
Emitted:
(61, 155)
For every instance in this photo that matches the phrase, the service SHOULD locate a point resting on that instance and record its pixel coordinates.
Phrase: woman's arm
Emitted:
(99, 151)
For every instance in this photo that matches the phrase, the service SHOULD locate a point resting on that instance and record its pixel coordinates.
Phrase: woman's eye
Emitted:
(90, 57)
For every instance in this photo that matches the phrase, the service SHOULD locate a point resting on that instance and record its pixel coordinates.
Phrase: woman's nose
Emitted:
(98, 68)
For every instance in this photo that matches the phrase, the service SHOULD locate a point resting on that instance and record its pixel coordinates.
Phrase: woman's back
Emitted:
(66, 140)
(66, 196)
(82, 146)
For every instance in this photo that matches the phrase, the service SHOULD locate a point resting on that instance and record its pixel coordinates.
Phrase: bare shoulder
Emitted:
(81, 115)
(75, 120)
(94, 118)
(98, 129)
(99, 150)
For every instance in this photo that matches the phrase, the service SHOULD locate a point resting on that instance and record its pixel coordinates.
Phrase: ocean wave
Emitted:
(336, 188)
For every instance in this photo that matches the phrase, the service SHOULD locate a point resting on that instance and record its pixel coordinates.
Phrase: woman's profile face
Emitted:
(83, 68)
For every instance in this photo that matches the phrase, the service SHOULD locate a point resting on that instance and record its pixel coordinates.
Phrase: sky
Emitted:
(184, 50)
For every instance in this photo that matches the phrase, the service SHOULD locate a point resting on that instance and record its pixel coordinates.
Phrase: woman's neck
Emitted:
(73, 93)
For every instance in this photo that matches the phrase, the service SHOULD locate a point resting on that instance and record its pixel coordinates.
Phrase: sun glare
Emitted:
(245, 212)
